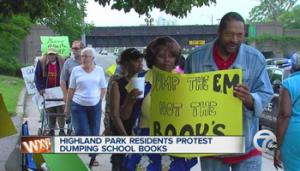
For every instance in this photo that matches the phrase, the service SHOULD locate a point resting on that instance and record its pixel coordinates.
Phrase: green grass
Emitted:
(10, 88)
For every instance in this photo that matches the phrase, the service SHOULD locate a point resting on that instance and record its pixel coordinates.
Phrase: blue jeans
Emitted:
(250, 164)
(86, 119)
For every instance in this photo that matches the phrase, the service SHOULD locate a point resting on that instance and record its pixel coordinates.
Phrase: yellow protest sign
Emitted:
(7, 127)
(111, 69)
(60, 43)
(196, 104)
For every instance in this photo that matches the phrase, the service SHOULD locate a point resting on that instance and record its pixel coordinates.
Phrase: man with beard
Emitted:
(229, 52)
(47, 73)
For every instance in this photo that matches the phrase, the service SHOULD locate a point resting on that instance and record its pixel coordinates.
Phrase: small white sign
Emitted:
(54, 93)
(28, 76)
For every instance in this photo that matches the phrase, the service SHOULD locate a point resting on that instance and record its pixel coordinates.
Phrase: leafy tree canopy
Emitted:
(291, 19)
(12, 32)
(67, 19)
(33, 8)
(269, 10)
(178, 8)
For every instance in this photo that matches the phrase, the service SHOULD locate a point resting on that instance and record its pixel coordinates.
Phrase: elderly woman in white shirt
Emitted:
(86, 91)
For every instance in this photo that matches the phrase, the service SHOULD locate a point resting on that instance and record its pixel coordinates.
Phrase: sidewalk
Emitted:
(7, 144)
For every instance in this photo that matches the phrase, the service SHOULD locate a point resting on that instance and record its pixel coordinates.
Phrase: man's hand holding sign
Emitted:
(242, 92)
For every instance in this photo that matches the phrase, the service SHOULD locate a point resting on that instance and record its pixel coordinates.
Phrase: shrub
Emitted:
(7, 68)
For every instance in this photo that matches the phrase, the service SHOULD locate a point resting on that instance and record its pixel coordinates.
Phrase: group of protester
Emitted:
(83, 84)
(226, 52)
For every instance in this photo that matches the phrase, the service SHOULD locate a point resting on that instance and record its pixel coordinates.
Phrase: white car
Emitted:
(104, 52)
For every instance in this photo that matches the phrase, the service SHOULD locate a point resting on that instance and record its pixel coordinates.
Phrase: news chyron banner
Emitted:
(130, 144)
(200, 104)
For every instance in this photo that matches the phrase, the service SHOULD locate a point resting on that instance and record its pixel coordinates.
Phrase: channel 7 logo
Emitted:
(265, 141)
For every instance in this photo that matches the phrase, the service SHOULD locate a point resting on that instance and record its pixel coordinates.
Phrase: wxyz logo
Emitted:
(35, 145)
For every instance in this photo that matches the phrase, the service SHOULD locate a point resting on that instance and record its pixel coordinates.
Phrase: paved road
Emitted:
(104, 160)
(105, 60)
(8, 144)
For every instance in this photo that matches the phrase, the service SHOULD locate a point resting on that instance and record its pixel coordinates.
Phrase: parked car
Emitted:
(278, 62)
(116, 52)
(268, 118)
(103, 52)
(277, 75)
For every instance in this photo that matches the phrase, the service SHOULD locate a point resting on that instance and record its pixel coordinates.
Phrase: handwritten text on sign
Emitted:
(60, 43)
(195, 104)
(28, 76)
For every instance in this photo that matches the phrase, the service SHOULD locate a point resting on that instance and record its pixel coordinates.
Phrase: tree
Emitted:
(67, 19)
(178, 8)
(33, 8)
(12, 31)
(269, 10)
(290, 19)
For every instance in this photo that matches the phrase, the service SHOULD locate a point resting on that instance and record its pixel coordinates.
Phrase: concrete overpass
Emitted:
(140, 36)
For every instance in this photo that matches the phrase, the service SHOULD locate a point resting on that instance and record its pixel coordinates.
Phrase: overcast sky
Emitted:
(101, 16)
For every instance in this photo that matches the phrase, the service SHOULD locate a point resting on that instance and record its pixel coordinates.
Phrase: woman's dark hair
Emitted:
(128, 55)
(161, 43)
(181, 62)
(229, 17)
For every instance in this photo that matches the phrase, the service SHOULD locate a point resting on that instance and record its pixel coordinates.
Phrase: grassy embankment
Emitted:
(10, 88)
